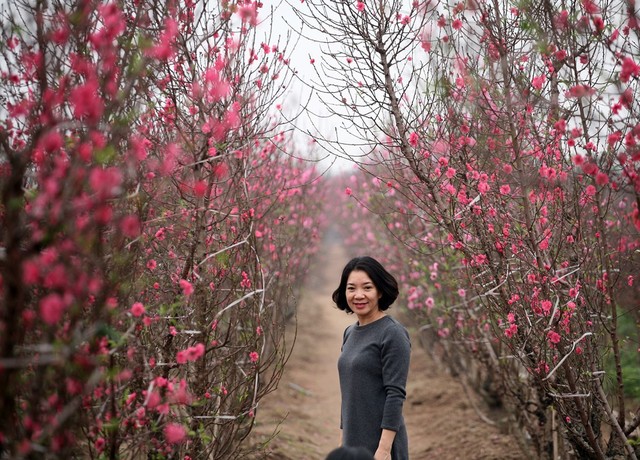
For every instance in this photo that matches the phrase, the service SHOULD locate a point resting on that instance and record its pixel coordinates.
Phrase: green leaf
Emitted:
(105, 155)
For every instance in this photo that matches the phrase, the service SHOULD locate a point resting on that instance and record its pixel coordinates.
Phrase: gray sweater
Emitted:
(373, 368)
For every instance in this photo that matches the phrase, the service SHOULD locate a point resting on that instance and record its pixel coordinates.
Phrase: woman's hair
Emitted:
(384, 282)
(349, 453)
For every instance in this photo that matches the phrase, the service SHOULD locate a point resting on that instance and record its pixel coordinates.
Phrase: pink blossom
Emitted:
(163, 50)
(195, 352)
(483, 187)
(560, 126)
(413, 139)
(105, 181)
(590, 7)
(628, 69)
(113, 19)
(187, 287)
(505, 189)
(348, 191)
(86, 101)
(249, 13)
(51, 308)
(137, 309)
(579, 91)
(139, 146)
(199, 188)
(553, 337)
(174, 433)
(51, 141)
(511, 330)
(429, 303)
(538, 82)
(190, 354)
(602, 178)
(130, 226)
(253, 356)
(246, 281)
(614, 138)
(30, 272)
(181, 357)
(360, 6)
(218, 87)
(100, 444)
(425, 43)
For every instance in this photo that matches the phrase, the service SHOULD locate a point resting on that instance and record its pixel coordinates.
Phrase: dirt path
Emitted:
(305, 410)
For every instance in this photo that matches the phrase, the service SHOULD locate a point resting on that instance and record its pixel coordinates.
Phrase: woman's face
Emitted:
(362, 295)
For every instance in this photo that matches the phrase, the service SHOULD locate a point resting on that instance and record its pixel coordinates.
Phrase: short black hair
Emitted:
(384, 282)
(349, 453)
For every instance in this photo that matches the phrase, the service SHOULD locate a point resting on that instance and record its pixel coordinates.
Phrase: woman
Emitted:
(374, 362)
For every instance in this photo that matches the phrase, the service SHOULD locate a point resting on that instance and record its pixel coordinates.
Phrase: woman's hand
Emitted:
(385, 444)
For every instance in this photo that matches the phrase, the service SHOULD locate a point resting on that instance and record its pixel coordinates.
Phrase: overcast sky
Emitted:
(301, 49)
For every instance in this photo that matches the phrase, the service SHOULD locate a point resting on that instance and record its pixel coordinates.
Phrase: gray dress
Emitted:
(373, 368)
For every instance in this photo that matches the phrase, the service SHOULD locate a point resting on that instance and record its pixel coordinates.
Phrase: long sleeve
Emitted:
(395, 356)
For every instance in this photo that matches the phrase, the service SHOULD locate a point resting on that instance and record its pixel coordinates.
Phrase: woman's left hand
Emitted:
(382, 454)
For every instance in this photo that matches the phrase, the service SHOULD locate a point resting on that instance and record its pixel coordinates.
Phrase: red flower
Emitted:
(602, 178)
(187, 287)
(51, 308)
(130, 226)
(137, 309)
(174, 433)
(87, 103)
(553, 337)
(629, 69)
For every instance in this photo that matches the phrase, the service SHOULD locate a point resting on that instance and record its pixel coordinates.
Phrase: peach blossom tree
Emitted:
(155, 224)
(497, 145)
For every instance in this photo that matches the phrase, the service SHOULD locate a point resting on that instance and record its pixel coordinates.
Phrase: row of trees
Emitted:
(498, 144)
(154, 222)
